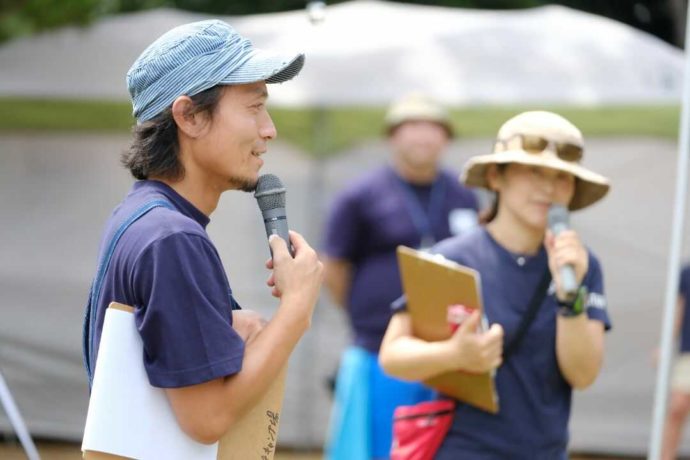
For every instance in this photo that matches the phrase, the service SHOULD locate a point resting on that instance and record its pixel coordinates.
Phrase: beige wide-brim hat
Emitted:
(417, 107)
(590, 187)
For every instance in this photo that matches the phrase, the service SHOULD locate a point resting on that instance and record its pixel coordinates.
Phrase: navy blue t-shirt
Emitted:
(167, 268)
(534, 397)
(684, 289)
(369, 219)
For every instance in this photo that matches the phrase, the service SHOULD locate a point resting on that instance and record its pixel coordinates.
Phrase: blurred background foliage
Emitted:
(663, 18)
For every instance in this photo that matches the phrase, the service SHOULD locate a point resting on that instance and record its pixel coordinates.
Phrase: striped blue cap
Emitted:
(194, 57)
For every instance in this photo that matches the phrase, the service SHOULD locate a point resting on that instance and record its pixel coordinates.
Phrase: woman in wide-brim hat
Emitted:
(535, 164)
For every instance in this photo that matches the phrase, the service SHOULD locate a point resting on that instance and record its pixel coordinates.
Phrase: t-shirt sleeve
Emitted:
(596, 306)
(343, 231)
(185, 318)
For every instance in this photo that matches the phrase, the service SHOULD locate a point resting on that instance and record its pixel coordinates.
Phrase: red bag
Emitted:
(419, 430)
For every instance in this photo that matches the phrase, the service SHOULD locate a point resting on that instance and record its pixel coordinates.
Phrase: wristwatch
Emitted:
(575, 307)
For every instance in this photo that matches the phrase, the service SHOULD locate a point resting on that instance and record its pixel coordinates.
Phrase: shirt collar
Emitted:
(177, 200)
(522, 261)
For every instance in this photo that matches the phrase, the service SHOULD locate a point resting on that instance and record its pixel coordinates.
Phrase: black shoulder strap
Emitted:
(530, 314)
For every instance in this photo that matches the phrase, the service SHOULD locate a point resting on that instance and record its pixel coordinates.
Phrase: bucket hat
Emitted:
(417, 107)
(194, 57)
(539, 138)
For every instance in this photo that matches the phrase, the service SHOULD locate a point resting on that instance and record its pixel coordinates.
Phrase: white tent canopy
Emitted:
(368, 52)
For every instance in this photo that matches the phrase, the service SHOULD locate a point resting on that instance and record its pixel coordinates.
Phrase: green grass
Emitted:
(64, 115)
(324, 131)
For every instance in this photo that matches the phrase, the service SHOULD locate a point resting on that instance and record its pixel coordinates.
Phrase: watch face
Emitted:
(576, 306)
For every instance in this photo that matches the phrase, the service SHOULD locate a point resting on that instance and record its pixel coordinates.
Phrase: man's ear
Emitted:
(190, 123)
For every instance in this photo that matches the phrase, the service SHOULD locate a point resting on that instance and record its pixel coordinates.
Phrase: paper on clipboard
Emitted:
(431, 284)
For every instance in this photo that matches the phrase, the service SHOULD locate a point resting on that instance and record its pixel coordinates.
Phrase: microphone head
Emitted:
(270, 192)
(558, 216)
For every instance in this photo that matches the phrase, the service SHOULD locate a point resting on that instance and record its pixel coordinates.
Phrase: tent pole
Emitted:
(16, 420)
(674, 262)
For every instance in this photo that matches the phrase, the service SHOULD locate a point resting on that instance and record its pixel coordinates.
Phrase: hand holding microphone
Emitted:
(568, 258)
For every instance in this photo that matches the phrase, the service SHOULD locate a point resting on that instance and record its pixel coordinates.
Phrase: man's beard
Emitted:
(243, 184)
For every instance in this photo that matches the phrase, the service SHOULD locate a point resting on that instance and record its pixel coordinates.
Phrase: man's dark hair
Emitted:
(154, 152)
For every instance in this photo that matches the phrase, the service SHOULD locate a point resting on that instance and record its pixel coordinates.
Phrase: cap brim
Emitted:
(590, 187)
(266, 66)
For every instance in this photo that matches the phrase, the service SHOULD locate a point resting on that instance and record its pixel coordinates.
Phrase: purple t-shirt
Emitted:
(369, 219)
(534, 397)
(684, 289)
(167, 268)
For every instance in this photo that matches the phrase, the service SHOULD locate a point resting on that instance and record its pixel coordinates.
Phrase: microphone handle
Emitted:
(568, 283)
(275, 222)
(566, 272)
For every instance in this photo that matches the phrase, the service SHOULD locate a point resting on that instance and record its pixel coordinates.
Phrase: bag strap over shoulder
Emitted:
(95, 292)
(530, 314)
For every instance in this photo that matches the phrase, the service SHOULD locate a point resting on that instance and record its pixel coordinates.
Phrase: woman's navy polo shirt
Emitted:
(167, 268)
(534, 397)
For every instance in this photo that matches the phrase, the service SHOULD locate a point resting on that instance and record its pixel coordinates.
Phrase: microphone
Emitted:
(559, 220)
(270, 195)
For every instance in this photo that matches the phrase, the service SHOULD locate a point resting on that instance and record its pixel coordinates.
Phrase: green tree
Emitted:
(21, 17)
(663, 18)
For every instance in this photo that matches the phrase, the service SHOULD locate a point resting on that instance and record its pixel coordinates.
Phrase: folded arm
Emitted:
(407, 357)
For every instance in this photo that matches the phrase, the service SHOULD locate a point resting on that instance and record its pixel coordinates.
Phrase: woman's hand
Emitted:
(566, 249)
(473, 351)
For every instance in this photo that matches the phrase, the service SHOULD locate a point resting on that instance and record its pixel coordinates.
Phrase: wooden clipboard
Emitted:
(431, 283)
(254, 436)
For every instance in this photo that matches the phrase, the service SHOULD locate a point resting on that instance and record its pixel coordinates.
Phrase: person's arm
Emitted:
(208, 410)
(579, 340)
(338, 279)
(579, 349)
(343, 239)
(680, 313)
(404, 356)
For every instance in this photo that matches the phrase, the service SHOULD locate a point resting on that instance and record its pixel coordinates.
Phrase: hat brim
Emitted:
(266, 66)
(590, 187)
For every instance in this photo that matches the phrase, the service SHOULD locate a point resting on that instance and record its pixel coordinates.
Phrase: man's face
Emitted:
(419, 143)
(229, 149)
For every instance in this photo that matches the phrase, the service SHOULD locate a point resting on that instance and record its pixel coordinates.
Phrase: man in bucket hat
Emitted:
(415, 202)
(535, 164)
(199, 96)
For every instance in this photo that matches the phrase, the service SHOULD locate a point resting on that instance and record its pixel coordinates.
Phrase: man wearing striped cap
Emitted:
(199, 97)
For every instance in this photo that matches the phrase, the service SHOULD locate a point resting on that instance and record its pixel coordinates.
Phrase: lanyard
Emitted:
(422, 219)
